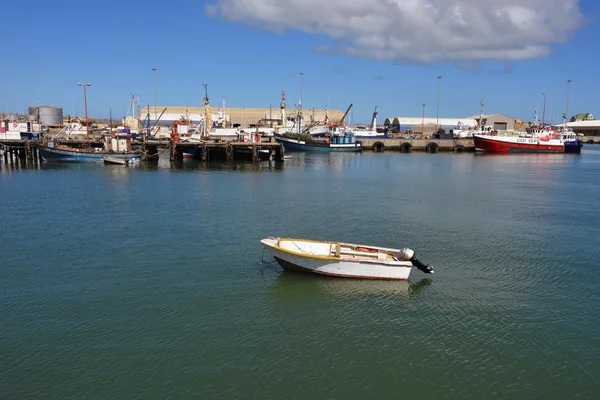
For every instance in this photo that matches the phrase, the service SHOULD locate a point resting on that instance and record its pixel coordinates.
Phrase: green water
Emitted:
(146, 282)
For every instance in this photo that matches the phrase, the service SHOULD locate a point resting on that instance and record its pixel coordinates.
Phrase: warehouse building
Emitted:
(587, 127)
(235, 116)
(428, 125)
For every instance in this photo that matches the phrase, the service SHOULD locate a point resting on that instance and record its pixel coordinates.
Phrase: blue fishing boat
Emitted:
(117, 148)
(335, 143)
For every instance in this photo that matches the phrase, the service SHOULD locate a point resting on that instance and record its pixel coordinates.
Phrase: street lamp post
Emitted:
(567, 109)
(300, 106)
(423, 122)
(87, 121)
(544, 109)
(439, 78)
(154, 79)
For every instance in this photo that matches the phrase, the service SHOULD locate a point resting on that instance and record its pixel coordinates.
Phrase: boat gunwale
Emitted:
(276, 246)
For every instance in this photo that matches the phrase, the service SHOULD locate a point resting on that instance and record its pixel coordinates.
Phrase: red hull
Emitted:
(499, 146)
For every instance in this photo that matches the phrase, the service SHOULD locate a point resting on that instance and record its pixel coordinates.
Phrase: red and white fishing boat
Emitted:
(541, 139)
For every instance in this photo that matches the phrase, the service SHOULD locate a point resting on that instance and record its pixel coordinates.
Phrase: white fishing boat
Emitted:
(369, 132)
(343, 259)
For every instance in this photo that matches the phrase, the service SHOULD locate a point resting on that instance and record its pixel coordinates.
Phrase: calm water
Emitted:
(146, 282)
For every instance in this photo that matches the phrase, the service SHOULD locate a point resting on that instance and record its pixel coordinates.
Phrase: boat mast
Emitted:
(481, 116)
(225, 125)
(206, 110)
(139, 123)
(374, 120)
(282, 108)
(132, 108)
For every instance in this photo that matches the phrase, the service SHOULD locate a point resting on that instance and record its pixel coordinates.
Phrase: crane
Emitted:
(344, 116)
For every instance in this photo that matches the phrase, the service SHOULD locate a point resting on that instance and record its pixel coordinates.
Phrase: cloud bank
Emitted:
(418, 30)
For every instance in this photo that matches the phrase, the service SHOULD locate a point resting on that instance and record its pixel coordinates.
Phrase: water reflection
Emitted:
(293, 286)
(18, 164)
(218, 165)
(157, 164)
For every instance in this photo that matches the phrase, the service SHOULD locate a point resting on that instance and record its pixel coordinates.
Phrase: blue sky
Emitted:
(361, 52)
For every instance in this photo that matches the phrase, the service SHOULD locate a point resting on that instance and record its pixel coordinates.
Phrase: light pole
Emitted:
(300, 106)
(423, 122)
(439, 78)
(544, 109)
(87, 121)
(154, 79)
(567, 109)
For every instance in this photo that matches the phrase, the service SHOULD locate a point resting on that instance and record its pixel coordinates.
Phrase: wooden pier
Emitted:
(19, 151)
(207, 150)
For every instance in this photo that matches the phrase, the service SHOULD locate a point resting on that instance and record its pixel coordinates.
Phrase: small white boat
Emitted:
(112, 160)
(343, 259)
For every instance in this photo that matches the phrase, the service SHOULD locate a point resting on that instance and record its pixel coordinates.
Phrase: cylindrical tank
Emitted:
(52, 116)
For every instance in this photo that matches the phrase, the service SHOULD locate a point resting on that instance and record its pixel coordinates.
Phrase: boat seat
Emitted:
(335, 249)
(360, 253)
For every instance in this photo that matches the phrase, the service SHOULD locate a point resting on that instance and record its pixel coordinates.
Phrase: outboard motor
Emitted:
(407, 254)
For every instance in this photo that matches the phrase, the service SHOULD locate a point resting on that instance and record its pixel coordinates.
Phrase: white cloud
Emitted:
(419, 30)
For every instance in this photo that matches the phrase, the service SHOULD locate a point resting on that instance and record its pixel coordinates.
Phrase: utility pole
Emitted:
(439, 78)
(154, 78)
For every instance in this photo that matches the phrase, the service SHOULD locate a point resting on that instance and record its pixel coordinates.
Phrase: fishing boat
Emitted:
(332, 144)
(370, 132)
(572, 140)
(343, 259)
(118, 147)
(540, 139)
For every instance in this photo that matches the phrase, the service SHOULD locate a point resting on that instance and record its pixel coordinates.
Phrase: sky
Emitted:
(384, 53)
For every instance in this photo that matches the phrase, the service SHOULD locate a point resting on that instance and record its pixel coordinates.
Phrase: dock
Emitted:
(208, 150)
(12, 151)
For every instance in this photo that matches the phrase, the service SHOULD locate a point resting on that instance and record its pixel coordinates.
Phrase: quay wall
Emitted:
(406, 145)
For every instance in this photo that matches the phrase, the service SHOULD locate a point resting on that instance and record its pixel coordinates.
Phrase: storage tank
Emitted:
(50, 115)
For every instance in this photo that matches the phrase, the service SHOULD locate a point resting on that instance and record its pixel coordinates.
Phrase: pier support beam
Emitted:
(173, 155)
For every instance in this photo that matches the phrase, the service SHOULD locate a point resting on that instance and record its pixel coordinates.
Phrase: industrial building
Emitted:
(427, 125)
(587, 128)
(235, 116)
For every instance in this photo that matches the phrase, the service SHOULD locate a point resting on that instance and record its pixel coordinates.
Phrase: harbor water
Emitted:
(147, 282)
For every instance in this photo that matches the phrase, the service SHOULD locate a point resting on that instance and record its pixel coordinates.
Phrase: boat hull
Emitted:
(191, 152)
(111, 160)
(573, 147)
(517, 145)
(338, 267)
(299, 145)
(73, 156)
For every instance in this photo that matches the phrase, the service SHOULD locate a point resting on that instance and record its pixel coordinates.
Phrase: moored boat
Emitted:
(333, 144)
(371, 131)
(114, 160)
(343, 259)
(541, 139)
(118, 147)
